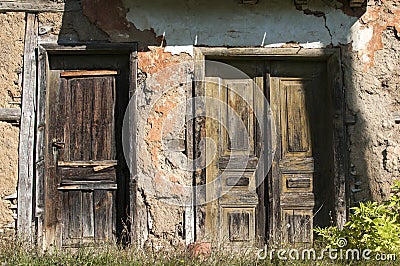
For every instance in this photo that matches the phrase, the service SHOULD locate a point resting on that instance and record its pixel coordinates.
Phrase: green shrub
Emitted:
(371, 225)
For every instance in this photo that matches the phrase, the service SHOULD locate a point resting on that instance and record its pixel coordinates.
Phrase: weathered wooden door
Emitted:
(232, 154)
(293, 168)
(281, 209)
(81, 182)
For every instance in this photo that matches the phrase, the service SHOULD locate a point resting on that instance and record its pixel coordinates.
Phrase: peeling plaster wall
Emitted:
(164, 82)
(12, 32)
(166, 32)
(370, 51)
(229, 23)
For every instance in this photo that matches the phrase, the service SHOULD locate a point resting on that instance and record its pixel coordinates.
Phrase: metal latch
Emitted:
(58, 144)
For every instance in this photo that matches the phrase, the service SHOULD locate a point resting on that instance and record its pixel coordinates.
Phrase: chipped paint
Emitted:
(176, 50)
(307, 45)
(361, 35)
(110, 17)
(366, 34)
(156, 59)
(233, 24)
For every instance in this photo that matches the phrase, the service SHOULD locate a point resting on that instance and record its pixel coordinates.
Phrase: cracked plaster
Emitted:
(229, 23)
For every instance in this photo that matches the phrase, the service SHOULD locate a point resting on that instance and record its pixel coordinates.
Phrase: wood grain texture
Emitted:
(35, 6)
(298, 226)
(230, 124)
(339, 140)
(87, 163)
(10, 114)
(295, 167)
(294, 156)
(73, 130)
(40, 148)
(104, 215)
(27, 130)
(199, 176)
(296, 139)
(87, 73)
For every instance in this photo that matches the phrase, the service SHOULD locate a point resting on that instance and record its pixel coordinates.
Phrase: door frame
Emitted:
(38, 140)
(331, 56)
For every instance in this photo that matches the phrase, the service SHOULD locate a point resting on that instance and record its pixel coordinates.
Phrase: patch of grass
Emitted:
(20, 253)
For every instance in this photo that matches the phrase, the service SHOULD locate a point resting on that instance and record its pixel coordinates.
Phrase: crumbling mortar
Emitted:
(148, 209)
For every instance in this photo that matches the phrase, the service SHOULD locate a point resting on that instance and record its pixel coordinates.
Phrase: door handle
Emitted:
(58, 144)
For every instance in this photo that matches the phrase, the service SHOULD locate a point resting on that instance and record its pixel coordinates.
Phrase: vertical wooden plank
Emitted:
(40, 145)
(104, 224)
(99, 126)
(53, 199)
(198, 112)
(108, 102)
(262, 150)
(275, 188)
(72, 222)
(213, 112)
(189, 216)
(339, 138)
(134, 208)
(87, 216)
(27, 130)
(77, 117)
(97, 134)
(297, 123)
(86, 86)
(65, 122)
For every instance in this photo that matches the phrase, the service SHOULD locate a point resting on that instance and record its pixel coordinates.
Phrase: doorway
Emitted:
(300, 189)
(86, 185)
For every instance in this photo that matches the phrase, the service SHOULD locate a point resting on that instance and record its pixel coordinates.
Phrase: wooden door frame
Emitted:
(31, 187)
(331, 56)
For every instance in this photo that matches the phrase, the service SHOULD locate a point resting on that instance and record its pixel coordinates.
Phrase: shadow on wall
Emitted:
(224, 23)
(101, 21)
(372, 97)
(119, 21)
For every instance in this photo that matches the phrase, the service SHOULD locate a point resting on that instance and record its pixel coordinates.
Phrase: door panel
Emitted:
(89, 118)
(240, 213)
(83, 148)
(295, 173)
(231, 177)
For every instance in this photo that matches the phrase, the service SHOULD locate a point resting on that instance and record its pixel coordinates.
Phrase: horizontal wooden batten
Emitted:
(239, 163)
(298, 200)
(35, 6)
(88, 186)
(297, 165)
(235, 181)
(298, 182)
(10, 114)
(88, 73)
(86, 173)
(87, 163)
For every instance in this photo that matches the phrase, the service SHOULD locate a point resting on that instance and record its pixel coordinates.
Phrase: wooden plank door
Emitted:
(293, 168)
(232, 156)
(81, 182)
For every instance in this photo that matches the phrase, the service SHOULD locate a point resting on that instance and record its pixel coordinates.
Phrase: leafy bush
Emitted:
(371, 225)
